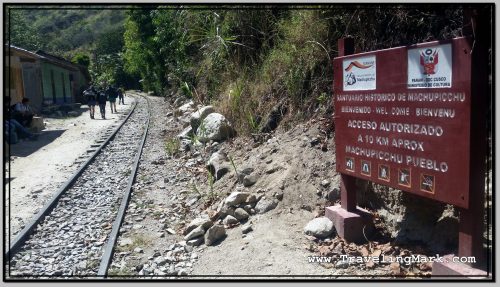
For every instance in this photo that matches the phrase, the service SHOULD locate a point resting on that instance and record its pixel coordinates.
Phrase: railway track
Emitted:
(75, 232)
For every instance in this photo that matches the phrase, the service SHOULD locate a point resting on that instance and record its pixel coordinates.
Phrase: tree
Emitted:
(81, 59)
(19, 33)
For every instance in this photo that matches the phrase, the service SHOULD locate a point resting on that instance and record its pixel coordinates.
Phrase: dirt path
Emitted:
(38, 168)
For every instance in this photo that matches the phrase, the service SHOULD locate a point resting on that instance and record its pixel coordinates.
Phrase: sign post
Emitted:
(414, 118)
(347, 182)
(351, 222)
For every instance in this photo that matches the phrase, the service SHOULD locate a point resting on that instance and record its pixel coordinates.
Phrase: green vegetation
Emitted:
(243, 60)
(172, 146)
(246, 61)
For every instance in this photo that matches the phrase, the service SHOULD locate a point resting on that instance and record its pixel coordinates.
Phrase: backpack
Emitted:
(89, 94)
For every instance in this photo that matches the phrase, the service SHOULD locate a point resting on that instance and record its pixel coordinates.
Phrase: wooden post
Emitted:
(477, 24)
(347, 182)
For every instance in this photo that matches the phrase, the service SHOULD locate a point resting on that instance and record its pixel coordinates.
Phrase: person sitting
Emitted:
(23, 113)
(14, 131)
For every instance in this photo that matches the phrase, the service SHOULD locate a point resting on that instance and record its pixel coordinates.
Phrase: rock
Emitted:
(325, 183)
(226, 210)
(187, 133)
(240, 214)
(186, 107)
(205, 222)
(177, 102)
(265, 205)
(251, 199)
(218, 164)
(341, 264)
(272, 169)
(333, 194)
(158, 272)
(247, 208)
(236, 198)
(214, 234)
(138, 250)
(319, 227)
(185, 145)
(246, 228)
(230, 220)
(200, 115)
(170, 231)
(160, 260)
(274, 117)
(126, 241)
(182, 272)
(198, 231)
(314, 141)
(192, 201)
(246, 170)
(196, 241)
(249, 180)
(214, 127)
(279, 195)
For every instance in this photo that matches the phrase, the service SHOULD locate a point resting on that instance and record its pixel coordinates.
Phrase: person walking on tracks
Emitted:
(112, 94)
(121, 96)
(91, 95)
(101, 100)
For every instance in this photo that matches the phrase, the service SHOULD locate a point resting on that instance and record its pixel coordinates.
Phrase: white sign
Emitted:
(429, 67)
(360, 74)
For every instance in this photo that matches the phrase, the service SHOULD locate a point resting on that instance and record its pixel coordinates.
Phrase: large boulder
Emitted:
(214, 127)
(200, 115)
(214, 234)
(319, 227)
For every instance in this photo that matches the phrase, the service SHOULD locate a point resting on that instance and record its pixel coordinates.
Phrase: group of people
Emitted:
(100, 95)
(17, 127)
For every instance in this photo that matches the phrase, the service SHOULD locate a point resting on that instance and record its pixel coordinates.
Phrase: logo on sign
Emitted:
(430, 67)
(429, 59)
(359, 74)
(358, 65)
(351, 79)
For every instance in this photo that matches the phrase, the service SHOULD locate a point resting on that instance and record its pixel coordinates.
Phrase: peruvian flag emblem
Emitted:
(429, 59)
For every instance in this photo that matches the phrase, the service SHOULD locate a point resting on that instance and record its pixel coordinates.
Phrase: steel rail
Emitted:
(30, 227)
(109, 249)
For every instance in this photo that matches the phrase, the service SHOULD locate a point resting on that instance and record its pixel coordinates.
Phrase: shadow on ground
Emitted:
(26, 147)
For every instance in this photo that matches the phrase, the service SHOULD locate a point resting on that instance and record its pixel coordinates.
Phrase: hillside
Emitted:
(67, 31)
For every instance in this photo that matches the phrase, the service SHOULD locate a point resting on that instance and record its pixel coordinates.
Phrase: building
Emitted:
(43, 78)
